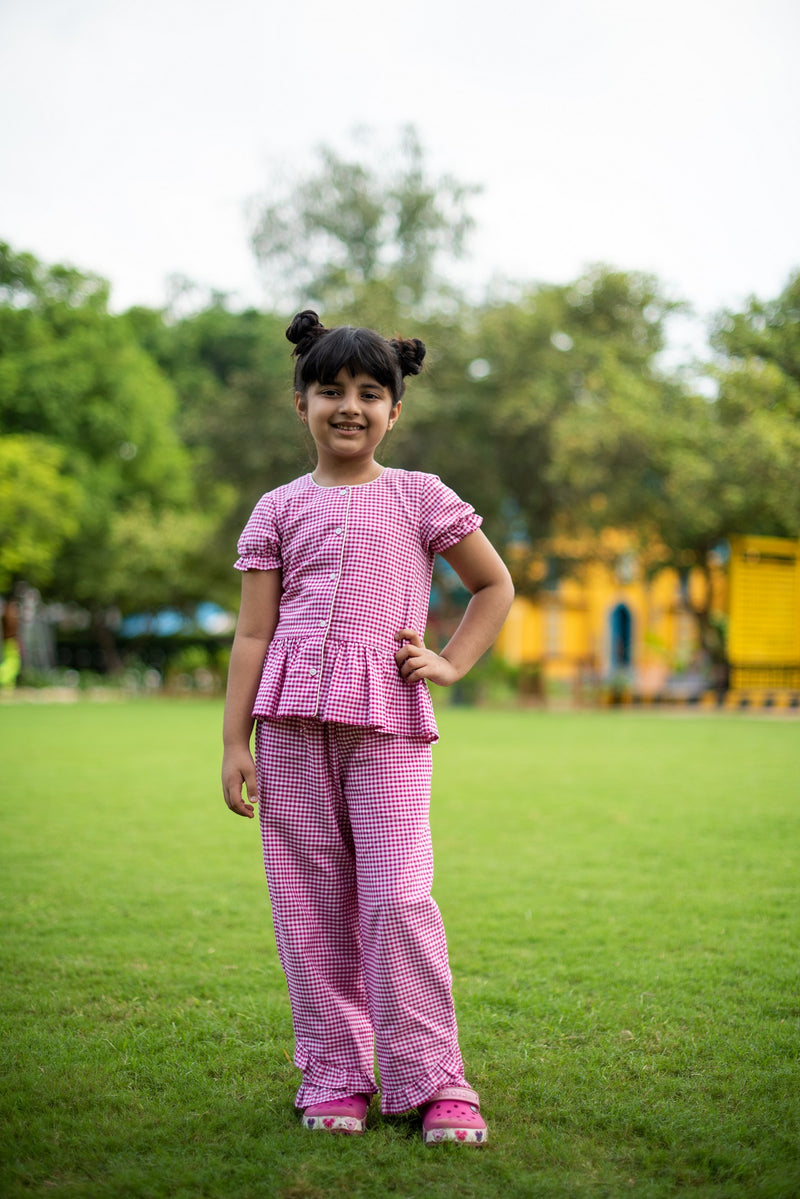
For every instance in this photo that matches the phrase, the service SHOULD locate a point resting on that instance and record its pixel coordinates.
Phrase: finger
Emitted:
(406, 656)
(251, 782)
(237, 804)
(407, 652)
(410, 637)
(241, 808)
(413, 668)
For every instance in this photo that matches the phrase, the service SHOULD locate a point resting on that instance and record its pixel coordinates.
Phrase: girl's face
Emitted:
(348, 418)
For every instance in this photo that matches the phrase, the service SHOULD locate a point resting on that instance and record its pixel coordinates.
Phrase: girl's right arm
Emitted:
(258, 617)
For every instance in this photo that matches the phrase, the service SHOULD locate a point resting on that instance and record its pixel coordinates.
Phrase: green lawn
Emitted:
(622, 896)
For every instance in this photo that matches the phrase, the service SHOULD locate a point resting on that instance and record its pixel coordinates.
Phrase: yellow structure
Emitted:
(764, 614)
(602, 625)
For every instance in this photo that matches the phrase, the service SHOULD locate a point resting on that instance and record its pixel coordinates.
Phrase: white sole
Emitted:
(342, 1124)
(460, 1136)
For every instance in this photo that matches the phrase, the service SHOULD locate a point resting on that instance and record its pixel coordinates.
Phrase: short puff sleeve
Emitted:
(260, 544)
(446, 518)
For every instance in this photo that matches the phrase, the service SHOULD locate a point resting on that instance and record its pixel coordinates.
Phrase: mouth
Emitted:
(348, 427)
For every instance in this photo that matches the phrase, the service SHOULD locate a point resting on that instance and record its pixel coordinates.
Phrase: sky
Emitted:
(136, 138)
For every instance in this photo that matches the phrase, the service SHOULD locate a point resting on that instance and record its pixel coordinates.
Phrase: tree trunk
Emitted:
(712, 639)
(107, 642)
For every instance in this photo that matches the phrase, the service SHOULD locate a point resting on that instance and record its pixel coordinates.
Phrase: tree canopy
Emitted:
(94, 421)
(39, 509)
(322, 236)
(134, 446)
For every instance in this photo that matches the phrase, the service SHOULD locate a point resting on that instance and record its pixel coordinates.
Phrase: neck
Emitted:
(346, 474)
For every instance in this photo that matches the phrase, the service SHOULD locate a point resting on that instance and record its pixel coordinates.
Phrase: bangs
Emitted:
(358, 351)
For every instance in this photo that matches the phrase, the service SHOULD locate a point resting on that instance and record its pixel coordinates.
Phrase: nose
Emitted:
(350, 401)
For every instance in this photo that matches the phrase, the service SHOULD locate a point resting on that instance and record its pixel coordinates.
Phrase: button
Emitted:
(332, 575)
(339, 530)
(322, 624)
(313, 670)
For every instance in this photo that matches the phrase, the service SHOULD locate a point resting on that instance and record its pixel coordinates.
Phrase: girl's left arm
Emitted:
(483, 572)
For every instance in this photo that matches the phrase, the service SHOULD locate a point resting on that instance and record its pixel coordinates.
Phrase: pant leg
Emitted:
(310, 866)
(407, 975)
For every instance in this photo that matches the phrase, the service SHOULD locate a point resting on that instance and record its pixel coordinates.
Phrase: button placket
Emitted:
(335, 576)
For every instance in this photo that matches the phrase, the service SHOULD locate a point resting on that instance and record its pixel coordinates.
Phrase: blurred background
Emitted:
(587, 211)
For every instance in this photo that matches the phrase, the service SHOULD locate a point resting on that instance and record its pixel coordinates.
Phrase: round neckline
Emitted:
(346, 486)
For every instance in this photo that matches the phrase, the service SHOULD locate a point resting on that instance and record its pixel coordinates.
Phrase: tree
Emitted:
(767, 332)
(39, 507)
(74, 375)
(323, 236)
(232, 376)
(735, 467)
(553, 392)
(683, 473)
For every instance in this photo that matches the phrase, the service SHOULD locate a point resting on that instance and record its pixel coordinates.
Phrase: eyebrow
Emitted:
(369, 383)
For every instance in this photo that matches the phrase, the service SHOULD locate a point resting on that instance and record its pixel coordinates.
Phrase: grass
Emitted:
(622, 897)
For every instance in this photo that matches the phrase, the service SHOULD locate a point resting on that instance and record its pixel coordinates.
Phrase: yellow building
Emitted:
(604, 626)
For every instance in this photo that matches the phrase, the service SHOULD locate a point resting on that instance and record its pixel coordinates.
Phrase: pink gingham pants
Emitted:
(347, 849)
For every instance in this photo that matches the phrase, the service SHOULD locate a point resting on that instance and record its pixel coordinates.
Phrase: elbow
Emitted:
(509, 591)
(501, 588)
(507, 585)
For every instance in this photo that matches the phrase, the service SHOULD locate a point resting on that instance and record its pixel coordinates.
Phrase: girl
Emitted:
(330, 662)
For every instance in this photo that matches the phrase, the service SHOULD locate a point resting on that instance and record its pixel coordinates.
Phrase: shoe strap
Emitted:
(465, 1094)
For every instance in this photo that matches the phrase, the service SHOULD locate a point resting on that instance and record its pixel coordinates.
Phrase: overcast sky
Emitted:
(652, 136)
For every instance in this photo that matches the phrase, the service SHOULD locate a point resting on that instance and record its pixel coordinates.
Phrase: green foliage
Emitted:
(39, 289)
(549, 397)
(39, 507)
(757, 415)
(322, 236)
(597, 437)
(232, 376)
(150, 436)
(73, 376)
(767, 332)
(148, 546)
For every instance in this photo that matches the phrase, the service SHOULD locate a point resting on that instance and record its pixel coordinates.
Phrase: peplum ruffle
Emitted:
(347, 682)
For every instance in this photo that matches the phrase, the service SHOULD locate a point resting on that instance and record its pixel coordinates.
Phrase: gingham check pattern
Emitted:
(347, 849)
(356, 566)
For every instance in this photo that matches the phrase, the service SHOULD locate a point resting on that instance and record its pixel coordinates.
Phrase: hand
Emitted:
(417, 663)
(238, 770)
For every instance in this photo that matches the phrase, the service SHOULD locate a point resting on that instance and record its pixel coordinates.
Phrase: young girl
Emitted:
(330, 662)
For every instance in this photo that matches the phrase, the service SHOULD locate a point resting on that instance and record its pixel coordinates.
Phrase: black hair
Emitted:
(322, 353)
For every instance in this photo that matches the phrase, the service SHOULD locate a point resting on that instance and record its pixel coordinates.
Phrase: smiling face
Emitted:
(348, 419)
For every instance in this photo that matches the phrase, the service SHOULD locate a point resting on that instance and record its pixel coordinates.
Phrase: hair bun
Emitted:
(410, 353)
(304, 329)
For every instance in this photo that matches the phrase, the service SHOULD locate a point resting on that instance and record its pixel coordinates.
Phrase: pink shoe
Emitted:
(453, 1120)
(347, 1115)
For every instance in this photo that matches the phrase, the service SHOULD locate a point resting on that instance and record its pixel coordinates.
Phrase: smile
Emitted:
(348, 428)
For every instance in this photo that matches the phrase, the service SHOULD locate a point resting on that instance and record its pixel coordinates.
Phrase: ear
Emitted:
(395, 413)
(300, 405)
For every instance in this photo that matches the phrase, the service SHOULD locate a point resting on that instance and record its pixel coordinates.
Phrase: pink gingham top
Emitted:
(356, 566)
